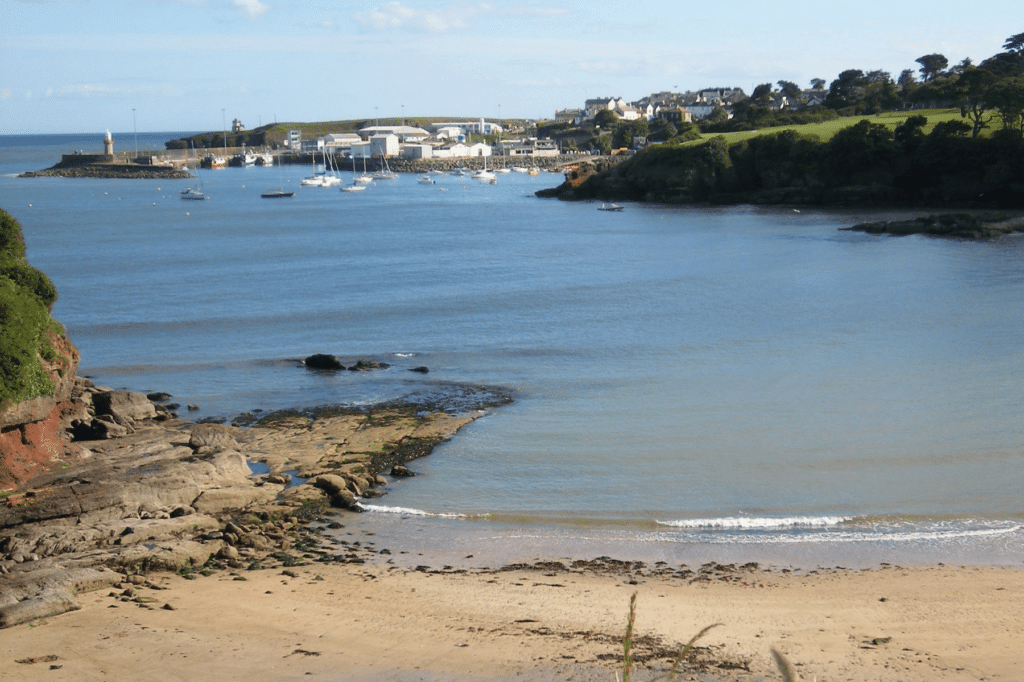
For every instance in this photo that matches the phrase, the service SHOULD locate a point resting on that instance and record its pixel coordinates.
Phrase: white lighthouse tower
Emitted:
(108, 144)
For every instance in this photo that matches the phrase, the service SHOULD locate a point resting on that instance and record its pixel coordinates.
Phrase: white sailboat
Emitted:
(194, 193)
(356, 186)
(363, 179)
(385, 173)
(483, 173)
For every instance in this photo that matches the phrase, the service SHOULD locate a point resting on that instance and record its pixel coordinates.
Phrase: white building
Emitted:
(403, 133)
(386, 145)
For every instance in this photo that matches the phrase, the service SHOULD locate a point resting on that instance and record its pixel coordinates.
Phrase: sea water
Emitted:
(690, 383)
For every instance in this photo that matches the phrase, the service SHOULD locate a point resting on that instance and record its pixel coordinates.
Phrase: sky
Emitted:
(78, 66)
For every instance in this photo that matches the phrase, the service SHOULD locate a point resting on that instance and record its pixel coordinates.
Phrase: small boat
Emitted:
(502, 170)
(610, 207)
(359, 182)
(426, 180)
(193, 194)
(278, 193)
(213, 161)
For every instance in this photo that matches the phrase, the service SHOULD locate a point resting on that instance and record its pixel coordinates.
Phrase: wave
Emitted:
(757, 523)
(924, 536)
(408, 511)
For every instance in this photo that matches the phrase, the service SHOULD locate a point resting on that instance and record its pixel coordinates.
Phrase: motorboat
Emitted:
(426, 180)
(278, 193)
(193, 194)
(610, 207)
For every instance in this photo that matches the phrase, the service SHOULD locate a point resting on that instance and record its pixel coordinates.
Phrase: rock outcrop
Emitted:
(956, 225)
(169, 495)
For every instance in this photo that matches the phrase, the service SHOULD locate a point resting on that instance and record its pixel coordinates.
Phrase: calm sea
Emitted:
(690, 384)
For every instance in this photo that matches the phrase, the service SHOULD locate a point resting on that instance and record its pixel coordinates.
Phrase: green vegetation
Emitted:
(27, 332)
(910, 158)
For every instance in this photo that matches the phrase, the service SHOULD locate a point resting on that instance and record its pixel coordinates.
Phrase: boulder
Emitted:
(124, 405)
(366, 365)
(216, 436)
(323, 361)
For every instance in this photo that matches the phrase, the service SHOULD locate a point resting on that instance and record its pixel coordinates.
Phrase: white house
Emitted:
(403, 133)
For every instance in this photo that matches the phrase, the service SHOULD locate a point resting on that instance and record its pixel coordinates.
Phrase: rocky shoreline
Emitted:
(150, 492)
(955, 225)
(113, 170)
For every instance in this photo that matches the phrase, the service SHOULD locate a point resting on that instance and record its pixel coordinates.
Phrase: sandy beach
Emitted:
(374, 621)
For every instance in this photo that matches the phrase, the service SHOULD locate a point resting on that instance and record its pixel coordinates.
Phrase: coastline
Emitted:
(327, 598)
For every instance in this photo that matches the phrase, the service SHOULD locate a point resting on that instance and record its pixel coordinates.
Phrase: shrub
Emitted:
(27, 332)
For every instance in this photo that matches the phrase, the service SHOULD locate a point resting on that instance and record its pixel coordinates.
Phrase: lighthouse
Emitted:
(108, 144)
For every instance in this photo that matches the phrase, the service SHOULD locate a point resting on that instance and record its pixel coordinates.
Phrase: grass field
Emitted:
(826, 130)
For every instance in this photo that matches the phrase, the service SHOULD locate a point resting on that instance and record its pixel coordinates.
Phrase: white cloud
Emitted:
(396, 16)
(251, 8)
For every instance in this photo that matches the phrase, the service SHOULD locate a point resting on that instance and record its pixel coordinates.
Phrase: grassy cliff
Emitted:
(28, 334)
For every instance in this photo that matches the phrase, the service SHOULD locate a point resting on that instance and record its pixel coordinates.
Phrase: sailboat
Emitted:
(278, 192)
(356, 186)
(385, 173)
(194, 193)
(483, 173)
(363, 179)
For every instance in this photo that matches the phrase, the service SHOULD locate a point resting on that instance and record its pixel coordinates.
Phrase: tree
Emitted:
(762, 95)
(817, 84)
(661, 129)
(606, 118)
(932, 65)
(792, 92)
(1007, 96)
(1014, 43)
(846, 90)
(909, 134)
(880, 92)
(974, 86)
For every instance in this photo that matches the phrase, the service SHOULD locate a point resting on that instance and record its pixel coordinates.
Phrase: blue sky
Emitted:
(83, 66)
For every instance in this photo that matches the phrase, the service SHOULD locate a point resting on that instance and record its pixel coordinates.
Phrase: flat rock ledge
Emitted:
(175, 496)
(957, 226)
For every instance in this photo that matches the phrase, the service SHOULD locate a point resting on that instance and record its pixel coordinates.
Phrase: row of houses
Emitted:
(435, 141)
(677, 107)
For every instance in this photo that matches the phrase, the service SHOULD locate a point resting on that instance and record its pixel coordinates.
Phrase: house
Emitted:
(467, 127)
(452, 150)
(568, 115)
(403, 133)
(338, 142)
(529, 147)
(674, 114)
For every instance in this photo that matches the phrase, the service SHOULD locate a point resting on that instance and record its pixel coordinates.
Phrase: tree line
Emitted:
(987, 93)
